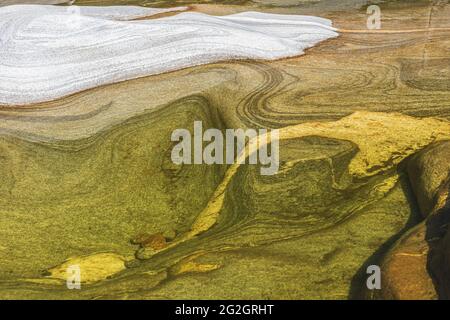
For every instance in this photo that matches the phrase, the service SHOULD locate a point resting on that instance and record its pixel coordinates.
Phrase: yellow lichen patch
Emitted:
(189, 265)
(93, 268)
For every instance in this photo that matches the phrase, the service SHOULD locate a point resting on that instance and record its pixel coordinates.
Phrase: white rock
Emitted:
(48, 52)
(10, 2)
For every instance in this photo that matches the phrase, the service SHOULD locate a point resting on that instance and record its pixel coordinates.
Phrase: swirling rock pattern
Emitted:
(85, 174)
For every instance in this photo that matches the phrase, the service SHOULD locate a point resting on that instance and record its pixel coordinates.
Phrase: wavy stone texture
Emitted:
(50, 52)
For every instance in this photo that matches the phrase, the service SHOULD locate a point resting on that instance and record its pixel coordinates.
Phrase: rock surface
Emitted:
(418, 266)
